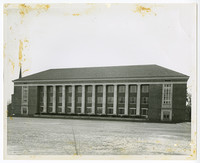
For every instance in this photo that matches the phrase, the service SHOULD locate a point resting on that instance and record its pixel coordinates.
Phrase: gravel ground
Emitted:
(43, 136)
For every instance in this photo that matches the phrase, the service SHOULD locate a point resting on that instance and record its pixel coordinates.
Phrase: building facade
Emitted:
(146, 91)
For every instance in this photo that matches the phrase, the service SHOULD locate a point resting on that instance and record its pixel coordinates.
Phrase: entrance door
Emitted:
(166, 115)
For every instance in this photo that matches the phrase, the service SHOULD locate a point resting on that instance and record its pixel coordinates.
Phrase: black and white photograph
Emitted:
(100, 81)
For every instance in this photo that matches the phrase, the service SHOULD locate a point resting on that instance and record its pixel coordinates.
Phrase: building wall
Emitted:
(155, 101)
(179, 102)
(16, 100)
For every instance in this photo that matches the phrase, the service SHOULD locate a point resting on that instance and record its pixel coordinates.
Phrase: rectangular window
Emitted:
(132, 111)
(110, 110)
(145, 100)
(89, 89)
(145, 88)
(110, 100)
(132, 100)
(133, 89)
(50, 89)
(68, 109)
(69, 89)
(89, 100)
(79, 99)
(24, 110)
(69, 99)
(50, 109)
(78, 110)
(121, 89)
(51, 99)
(167, 96)
(110, 89)
(59, 89)
(24, 95)
(59, 109)
(79, 89)
(88, 110)
(99, 100)
(99, 110)
(144, 111)
(121, 110)
(99, 89)
(60, 99)
(121, 100)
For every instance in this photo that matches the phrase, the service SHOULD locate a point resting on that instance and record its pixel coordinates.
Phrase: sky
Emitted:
(41, 37)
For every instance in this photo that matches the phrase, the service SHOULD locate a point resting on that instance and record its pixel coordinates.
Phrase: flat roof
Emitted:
(133, 71)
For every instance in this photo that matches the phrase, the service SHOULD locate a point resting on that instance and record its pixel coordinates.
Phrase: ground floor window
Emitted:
(78, 110)
(68, 109)
(41, 109)
(110, 110)
(99, 110)
(24, 110)
(132, 111)
(166, 115)
(144, 112)
(121, 110)
(59, 109)
(88, 110)
(50, 109)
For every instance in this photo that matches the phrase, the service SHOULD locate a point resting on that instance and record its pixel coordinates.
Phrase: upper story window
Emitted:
(167, 96)
(99, 89)
(79, 89)
(145, 88)
(59, 89)
(24, 95)
(50, 89)
(69, 89)
(110, 100)
(89, 89)
(99, 100)
(110, 89)
(133, 89)
(145, 100)
(79, 99)
(121, 89)
(132, 100)
(121, 100)
(89, 100)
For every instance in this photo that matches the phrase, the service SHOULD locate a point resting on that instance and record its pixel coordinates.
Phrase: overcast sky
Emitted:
(85, 35)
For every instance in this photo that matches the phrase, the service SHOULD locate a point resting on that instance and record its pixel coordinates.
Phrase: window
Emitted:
(132, 100)
(79, 89)
(69, 99)
(41, 89)
(89, 99)
(78, 110)
(89, 89)
(167, 96)
(99, 89)
(69, 89)
(41, 99)
(144, 111)
(68, 109)
(24, 110)
(59, 109)
(145, 88)
(121, 110)
(121, 100)
(145, 100)
(121, 89)
(41, 108)
(25, 95)
(166, 115)
(50, 109)
(79, 99)
(59, 89)
(51, 99)
(133, 89)
(132, 111)
(88, 110)
(110, 110)
(99, 100)
(50, 89)
(99, 110)
(110, 100)
(110, 89)
(60, 99)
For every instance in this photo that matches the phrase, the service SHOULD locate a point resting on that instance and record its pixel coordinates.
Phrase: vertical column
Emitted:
(115, 100)
(104, 100)
(73, 99)
(126, 99)
(93, 98)
(54, 99)
(45, 99)
(83, 100)
(63, 99)
(138, 100)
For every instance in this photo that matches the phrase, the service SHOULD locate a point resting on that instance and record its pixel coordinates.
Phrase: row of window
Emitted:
(99, 110)
(110, 100)
(110, 89)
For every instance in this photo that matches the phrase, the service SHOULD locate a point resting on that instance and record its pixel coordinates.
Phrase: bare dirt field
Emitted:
(43, 136)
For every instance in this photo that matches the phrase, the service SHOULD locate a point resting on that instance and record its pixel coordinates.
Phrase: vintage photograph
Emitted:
(99, 81)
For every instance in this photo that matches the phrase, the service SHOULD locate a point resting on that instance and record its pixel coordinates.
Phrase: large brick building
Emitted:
(143, 91)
